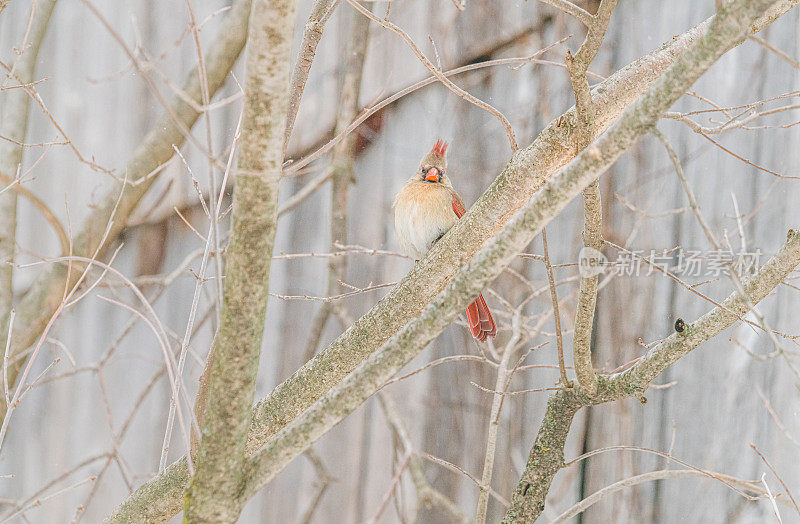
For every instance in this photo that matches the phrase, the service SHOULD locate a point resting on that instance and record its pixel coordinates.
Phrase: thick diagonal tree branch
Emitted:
(213, 493)
(44, 297)
(526, 172)
(727, 29)
(13, 128)
(577, 66)
(635, 380)
(636, 121)
(547, 454)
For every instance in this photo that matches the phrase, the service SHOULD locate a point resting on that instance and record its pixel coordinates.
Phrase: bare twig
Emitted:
(595, 497)
(785, 487)
(306, 191)
(695, 207)
(438, 73)
(312, 34)
(780, 54)
(556, 316)
(771, 498)
(568, 7)
(14, 124)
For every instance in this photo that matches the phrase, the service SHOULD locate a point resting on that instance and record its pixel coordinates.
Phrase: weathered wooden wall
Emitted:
(714, 409)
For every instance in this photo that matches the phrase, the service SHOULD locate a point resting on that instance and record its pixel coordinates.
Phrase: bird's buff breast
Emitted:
(422, 213)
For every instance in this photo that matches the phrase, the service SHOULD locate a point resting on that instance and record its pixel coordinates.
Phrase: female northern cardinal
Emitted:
(424, 210)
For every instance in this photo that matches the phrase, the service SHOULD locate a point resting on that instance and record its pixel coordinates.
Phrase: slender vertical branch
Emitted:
(342, 169)
(213, 493)
(593, 212)
(501, 384)
(556, 315)
(426, 494)
(212, 179)
(344, 153)
(312, 34)
(13, 126)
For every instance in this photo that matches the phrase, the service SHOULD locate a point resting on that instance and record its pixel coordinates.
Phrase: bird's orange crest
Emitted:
(439, 148)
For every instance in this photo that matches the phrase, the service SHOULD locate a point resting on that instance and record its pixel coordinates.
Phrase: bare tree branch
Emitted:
(727, 29)
(527, 171)
(41, 301)
(568, 7)
(637, 120)
(592, 208)
(646, 369)
(504, 375)
(556, 314)
(312, 34)
(426, 494)
(547, 454)
(650, 476)
(213, 493)
(42, 208)
(341, 169)
(14, 125)
(439, 75)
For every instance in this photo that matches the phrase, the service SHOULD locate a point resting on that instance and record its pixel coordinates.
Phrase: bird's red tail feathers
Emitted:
(481, 322)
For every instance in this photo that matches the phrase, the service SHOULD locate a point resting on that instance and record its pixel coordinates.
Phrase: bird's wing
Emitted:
(458, 205)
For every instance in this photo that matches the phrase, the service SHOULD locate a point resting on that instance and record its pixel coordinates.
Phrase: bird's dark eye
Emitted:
(425, 170)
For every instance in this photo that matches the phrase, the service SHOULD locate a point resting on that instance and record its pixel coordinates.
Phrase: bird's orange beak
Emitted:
(432, 175)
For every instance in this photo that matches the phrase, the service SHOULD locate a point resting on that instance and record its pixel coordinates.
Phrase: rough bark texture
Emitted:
(545, 459)
(213, 493)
